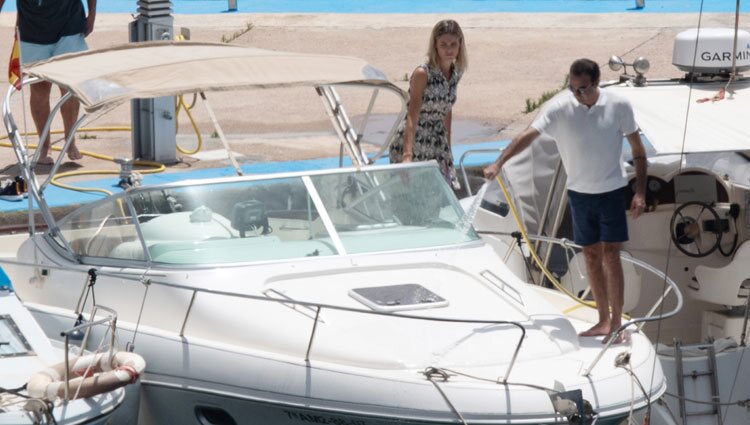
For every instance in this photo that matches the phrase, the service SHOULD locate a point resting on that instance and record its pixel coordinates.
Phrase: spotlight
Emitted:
(641, 65)
(616, 63)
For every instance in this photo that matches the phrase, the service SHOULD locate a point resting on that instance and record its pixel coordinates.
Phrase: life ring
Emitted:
(89, 375)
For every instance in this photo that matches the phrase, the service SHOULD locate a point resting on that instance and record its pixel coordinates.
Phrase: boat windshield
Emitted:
(273, 218)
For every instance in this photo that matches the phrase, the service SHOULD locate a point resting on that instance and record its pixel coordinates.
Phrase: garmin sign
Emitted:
(707, 56)
(714, 51)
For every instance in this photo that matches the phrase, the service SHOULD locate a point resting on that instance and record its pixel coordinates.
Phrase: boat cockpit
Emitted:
(270, 217)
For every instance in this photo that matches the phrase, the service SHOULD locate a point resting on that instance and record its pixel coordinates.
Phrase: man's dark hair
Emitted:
(585, 67)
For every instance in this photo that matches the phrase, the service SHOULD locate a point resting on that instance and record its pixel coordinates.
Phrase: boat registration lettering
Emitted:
(321, 419)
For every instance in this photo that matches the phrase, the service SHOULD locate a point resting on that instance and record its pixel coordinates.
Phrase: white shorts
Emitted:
(31, 52)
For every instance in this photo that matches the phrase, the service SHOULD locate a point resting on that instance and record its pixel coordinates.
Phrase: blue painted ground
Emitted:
(427, 6)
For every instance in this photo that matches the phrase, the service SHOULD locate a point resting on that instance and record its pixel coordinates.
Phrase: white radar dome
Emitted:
(714, 52)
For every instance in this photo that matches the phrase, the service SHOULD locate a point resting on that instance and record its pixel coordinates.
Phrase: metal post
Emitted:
(743, 335)
(312, 334)
(187, 314)
(220, 132)
(680, 378)
(66, 376)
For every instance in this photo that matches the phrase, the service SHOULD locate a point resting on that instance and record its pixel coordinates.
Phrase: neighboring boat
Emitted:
(696, 227)
(33, 387)
(357, 295)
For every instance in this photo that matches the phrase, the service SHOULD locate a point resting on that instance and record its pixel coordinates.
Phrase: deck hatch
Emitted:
(407, 296)
(12, 342)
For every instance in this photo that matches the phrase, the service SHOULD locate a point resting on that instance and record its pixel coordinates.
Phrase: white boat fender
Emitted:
(89, 375)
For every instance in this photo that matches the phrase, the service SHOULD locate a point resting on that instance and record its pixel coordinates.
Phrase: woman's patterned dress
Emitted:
(431, 139)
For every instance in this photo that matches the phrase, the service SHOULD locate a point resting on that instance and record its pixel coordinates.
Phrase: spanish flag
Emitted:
(14, 65)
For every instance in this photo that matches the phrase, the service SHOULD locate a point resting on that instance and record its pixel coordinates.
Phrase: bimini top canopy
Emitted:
(100, 79)
(667, 110)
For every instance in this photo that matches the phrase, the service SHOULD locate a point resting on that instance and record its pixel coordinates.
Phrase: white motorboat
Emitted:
(29, 360)
(357, 295)
(695, 230)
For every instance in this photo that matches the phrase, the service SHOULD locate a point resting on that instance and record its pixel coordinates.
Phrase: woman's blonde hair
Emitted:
(447, 26)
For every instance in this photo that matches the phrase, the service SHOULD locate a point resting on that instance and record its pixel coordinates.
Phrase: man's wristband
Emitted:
(639, 157)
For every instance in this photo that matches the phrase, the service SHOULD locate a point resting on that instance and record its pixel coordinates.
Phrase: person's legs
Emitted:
(599, 225)
(615, 283)
(599, 287)
(40, 92)
(614, 231)
(69, 112)
(39, 104)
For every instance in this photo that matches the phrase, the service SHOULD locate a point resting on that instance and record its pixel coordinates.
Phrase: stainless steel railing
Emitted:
(671, 286)
(111, 320)
(317, 307)
(462, 167)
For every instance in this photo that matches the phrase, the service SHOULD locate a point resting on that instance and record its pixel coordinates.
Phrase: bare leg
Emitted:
(69, 112)
(594, 255)
(615, 284)
(39, 104)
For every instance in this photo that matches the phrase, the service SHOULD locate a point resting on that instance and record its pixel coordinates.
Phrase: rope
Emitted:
(40, 410)
(623, 361)
(90, 282)
(91, 364)
(499, 381)
(14, 391)
(532, 251)
(733, 75)
(741, 403)
(432, 372)
(444, 374)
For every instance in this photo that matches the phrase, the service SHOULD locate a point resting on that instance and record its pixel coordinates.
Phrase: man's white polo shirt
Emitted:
(589, 139)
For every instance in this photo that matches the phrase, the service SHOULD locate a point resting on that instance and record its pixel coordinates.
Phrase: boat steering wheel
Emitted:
(687, 234)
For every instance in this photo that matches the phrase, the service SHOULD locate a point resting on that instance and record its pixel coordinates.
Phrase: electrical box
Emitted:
(153, 120)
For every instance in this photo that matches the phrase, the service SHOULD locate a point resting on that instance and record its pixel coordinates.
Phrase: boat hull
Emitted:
(160, 403)
(181, 395)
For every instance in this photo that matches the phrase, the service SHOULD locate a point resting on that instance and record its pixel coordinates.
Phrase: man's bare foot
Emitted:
(74, 154)
(622, 337)
(45, 160)
(597, 330)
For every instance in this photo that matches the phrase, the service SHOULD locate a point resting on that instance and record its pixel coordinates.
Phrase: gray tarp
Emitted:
(668, 112)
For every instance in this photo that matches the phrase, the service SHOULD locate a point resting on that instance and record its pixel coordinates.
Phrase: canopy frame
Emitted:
(343, 71)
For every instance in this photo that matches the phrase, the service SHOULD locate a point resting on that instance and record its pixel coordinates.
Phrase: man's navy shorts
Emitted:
(598, 217)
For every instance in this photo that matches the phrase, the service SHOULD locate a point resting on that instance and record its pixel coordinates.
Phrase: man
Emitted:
(588, 125)
(49, 28)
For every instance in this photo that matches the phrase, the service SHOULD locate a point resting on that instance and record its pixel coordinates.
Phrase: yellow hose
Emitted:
(158, 168)
(179, 103)
(537, 260)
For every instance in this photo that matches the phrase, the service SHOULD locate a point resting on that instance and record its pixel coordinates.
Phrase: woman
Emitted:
(425, 134)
